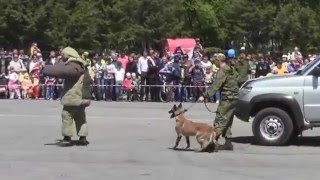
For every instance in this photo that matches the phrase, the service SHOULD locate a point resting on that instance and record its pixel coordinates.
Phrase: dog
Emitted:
(205, 134)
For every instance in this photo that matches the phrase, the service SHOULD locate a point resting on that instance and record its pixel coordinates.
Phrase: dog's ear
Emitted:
(174, 107)
(180, 105)
(172, 115)
(170, 112)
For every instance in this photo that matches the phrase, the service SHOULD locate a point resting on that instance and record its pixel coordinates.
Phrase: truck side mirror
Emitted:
(316, 72)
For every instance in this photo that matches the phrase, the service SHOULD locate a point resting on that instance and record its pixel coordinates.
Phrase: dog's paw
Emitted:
(187, 147)
(175, 147)
(199, 150)
(216, 147)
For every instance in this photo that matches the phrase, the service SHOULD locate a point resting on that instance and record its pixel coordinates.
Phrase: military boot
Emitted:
(83, 141)
(227, 145)
(65, 142)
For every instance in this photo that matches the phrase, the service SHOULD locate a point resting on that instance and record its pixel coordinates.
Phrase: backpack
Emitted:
(87, 88)
(177, 70)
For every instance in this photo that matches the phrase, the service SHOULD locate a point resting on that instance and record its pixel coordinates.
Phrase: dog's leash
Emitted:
(205, 104)
(192, 104)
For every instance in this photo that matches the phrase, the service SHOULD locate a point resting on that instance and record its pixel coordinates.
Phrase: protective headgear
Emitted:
(231, 53)
(70, 52)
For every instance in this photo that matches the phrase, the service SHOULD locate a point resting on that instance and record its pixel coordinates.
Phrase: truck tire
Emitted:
(272, 127)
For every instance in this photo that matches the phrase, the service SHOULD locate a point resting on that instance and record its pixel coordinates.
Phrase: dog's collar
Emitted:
(177, 115)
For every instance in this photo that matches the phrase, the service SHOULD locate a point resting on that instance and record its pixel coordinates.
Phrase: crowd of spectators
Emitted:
(150, 76)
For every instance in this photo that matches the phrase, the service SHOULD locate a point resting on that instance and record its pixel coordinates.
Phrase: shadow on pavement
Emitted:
(181, 149)
(244, 140)
(60, 144)
(209, 149)
(313, 141)
(306, 141)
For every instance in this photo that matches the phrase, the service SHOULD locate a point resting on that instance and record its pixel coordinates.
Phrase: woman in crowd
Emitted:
(119, 77)
(132, 65)
(98, 69)
(279, 68)
(197, 74)
(186, 92)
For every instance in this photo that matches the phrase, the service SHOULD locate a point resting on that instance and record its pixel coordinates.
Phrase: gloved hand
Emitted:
(201, 99)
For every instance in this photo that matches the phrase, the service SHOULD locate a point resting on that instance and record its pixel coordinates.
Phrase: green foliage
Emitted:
(263, 25)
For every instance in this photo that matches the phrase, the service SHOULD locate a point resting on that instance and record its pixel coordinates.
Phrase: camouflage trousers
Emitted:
(224, 118)
(74, 118)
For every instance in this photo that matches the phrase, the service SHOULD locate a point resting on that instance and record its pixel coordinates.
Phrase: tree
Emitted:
(250, 22)
(205, 19)
(142, 24)
(296, 25)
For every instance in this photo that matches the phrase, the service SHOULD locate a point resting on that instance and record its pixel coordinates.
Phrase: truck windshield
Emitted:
(307, 67)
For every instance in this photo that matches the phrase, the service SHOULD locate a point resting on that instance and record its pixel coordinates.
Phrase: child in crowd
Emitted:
(26, 84)
(208, 79)
(50, 84)
(13, 84)
(134, 87)
(127, 86)
(3, 86)
(34, 91)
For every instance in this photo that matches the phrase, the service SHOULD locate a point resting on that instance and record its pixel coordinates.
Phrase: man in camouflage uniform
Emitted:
(227, 83)
(75, 96)
(243, 68)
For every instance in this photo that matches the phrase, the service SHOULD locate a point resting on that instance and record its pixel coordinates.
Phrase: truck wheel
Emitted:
(272, 127)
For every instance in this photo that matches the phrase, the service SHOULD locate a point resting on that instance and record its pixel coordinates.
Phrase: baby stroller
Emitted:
(3, 87)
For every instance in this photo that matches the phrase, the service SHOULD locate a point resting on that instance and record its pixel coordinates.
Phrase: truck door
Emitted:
(312, 97)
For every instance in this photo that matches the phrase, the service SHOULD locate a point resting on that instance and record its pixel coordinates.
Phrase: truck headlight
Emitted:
(245, 90)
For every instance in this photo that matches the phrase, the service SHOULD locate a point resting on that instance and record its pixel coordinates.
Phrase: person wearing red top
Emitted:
(127, 83)
(124, 59)
(35, 78)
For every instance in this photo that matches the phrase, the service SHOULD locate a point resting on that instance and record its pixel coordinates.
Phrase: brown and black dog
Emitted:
(205, 134)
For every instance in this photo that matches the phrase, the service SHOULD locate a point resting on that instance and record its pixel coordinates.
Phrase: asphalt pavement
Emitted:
(133, 141)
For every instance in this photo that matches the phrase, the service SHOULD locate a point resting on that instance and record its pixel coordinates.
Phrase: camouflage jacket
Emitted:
(227, 83)
(243, 68)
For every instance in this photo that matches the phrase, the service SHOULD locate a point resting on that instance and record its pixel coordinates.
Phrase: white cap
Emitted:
(170, 62)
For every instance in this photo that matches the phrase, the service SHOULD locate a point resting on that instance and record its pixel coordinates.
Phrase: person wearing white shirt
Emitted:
(119, 77)
(98, 70)
(109, 80)
(143, 68)
(17, 64)
(205, 63)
